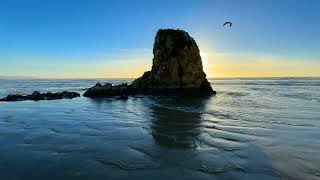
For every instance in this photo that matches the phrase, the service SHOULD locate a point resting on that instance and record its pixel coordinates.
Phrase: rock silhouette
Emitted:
(177, 69)
(37, 96)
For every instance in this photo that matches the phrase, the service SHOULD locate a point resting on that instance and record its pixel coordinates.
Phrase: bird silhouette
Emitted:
(229, 23)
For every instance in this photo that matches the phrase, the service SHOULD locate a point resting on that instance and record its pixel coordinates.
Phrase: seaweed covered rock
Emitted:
(177, 68)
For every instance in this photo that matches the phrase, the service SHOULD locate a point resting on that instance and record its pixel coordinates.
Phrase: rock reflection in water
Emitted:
(176, 126)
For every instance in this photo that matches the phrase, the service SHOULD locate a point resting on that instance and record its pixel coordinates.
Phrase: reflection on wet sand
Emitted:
(192, 141)
(172, 127)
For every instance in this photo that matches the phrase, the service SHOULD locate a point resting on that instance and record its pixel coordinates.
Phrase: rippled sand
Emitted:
(252, 129)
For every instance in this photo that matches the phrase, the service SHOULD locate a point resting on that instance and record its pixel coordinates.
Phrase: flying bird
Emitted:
(228, 23)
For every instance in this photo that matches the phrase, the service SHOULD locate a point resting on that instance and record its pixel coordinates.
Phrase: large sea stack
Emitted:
(176, 69)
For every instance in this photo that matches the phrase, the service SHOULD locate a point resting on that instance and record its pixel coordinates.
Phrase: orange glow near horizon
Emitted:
(217, 69)
(215, 65)
(224, 65)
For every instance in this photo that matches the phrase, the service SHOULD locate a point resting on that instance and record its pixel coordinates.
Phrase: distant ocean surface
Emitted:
(262, 128)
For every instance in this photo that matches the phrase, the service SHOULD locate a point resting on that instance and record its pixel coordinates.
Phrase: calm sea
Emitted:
(252, 129)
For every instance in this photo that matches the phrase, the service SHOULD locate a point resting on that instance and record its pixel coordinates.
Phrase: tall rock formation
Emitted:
(176, 63)
(177, 68)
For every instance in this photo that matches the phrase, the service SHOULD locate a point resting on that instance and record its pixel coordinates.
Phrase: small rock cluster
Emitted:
(37, 96)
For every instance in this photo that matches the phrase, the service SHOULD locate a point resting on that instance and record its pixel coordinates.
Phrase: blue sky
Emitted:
(101, 38)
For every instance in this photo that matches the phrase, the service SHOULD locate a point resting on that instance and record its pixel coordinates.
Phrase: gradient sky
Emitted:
(104, 38)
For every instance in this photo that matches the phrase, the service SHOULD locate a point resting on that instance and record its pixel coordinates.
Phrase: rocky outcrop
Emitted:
(177, 68)
(176, 63)
(110, 90)
(37, 96)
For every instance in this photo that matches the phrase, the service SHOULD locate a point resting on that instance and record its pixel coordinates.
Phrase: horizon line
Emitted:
(239, 77)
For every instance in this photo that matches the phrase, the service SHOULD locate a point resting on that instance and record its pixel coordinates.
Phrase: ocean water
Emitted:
(252, 129)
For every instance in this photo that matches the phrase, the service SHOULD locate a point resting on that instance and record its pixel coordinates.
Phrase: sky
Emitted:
(114, 39)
